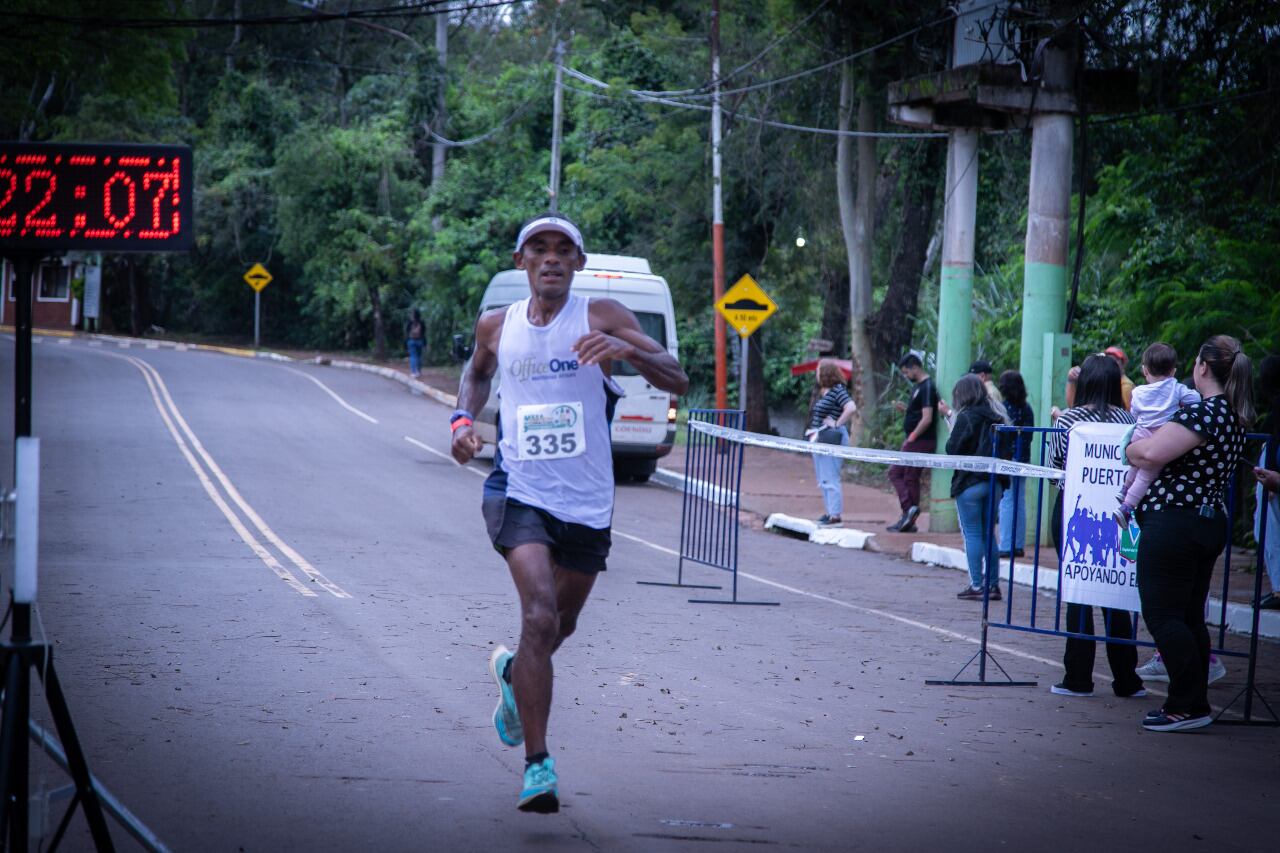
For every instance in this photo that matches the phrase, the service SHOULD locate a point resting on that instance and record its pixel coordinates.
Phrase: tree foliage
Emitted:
(313, 149)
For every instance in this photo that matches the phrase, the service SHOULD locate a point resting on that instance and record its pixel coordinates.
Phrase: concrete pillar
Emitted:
(955, 301)
(1044, 289)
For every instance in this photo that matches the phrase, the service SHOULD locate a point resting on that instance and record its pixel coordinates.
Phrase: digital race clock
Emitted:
(95, 197)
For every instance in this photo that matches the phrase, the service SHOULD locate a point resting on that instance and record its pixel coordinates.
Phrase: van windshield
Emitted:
(653, 325)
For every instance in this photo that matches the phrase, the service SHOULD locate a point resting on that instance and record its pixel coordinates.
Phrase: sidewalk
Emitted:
(775, 481)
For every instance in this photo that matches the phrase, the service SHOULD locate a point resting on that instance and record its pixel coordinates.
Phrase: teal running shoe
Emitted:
(506, 718)
(540, 795)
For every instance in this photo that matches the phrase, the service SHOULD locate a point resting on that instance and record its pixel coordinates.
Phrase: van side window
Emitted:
(653, 325)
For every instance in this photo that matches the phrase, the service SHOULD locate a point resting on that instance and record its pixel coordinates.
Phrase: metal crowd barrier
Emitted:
(710, 509)
(1034, 626)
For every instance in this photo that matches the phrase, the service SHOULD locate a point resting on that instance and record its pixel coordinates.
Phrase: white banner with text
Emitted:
(1093, 570)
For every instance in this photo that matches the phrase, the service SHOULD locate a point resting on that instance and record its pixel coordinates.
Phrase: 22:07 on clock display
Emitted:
(95, 196)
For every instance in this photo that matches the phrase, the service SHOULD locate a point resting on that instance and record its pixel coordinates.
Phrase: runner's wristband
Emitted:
(458, 414)
(459, 424)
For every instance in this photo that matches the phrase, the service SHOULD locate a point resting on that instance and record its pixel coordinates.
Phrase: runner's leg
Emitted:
(531, 673)
(572, 589)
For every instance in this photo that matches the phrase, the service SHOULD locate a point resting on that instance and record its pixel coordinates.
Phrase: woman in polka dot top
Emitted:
(1185, 525)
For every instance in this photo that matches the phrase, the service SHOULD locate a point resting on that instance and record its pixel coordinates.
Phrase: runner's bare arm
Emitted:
(616, 334)
(477, 379)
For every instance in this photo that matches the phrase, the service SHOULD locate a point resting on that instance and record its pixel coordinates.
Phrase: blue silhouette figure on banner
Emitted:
(1094, 533)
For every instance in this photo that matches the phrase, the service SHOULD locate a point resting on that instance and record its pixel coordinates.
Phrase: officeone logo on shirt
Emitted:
(529, 368)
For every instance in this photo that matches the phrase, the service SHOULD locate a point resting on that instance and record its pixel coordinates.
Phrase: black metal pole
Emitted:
(17, 698)
(24, 264)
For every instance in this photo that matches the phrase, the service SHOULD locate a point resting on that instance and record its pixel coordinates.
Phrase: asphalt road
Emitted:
(273, 603)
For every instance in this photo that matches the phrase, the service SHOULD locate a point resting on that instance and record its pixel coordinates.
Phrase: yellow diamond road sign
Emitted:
(745, 306)
(257, 277)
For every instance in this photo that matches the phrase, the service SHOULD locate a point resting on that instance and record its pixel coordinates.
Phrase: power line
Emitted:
(744, 66)
(874, 134)
(950, 16)
(475, 140)
(1183, 108)
(322, 63)
(407, 10)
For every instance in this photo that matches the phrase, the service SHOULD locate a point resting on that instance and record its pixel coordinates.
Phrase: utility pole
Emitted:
(442, 61)
(717, 216)
(556, 123)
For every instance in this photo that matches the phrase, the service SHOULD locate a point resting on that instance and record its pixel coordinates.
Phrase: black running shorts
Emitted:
(573, 546)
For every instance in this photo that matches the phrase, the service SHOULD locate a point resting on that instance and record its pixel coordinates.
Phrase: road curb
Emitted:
(701, 488)
(421, 387)
(124, 341)
(843, 537)
(127, 342)
(1239, 616)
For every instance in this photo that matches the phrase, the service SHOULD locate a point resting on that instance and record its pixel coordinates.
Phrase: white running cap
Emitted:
(550, 222)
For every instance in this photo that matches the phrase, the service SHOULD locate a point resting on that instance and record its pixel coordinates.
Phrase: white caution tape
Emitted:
(978, 464)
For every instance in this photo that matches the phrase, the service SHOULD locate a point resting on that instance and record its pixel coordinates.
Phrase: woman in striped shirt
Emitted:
(1098, 400)
(832, 411)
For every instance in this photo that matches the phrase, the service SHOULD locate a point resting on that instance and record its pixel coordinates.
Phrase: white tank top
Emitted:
(555, 432)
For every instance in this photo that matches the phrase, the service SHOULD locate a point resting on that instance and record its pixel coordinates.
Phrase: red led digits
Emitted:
(94, 197)
(46, 226)
(117, 222)
(168, 181)
(10, 222)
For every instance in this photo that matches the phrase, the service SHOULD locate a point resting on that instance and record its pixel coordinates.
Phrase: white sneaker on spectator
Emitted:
(1216, 669)
(1153, 670)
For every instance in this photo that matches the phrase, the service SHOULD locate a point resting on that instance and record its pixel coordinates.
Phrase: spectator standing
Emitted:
(919, 422)
(829, 418)
(1185, 525)
(975, 502)
(1267, 473)
(1151, 405)
(1098, 401)
(1126, 384)
(415, 334)
(1017, 446)
(982, 369)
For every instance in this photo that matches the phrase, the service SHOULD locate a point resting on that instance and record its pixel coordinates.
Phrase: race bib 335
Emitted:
(550, 431)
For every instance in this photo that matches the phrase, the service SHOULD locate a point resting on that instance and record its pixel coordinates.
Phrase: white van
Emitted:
(644, 421)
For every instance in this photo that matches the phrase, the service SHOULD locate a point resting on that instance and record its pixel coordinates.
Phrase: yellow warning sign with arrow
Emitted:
(257, 277)
(745, 306)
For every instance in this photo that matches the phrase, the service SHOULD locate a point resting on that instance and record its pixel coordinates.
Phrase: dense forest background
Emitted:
(314, 124)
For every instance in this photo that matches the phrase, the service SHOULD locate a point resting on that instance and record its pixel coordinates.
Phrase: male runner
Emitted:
(548, 504)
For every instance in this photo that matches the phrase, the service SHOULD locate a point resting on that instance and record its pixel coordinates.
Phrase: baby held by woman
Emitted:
(1151, 405)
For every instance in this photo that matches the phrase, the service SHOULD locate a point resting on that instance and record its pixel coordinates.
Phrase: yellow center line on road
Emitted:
(341, 402)
(263, 554)
(297, 559)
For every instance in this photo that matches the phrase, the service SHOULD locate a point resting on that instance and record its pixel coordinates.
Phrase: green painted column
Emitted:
(1044, 301)
(955, 304)
(1045, 350)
